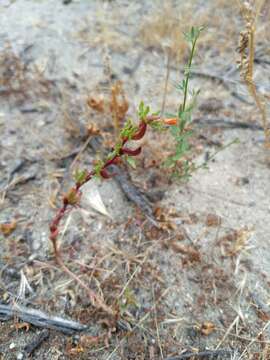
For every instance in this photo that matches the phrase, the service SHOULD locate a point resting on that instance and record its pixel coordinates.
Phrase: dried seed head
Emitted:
(248, 12)
(96, 103)
(243, 42)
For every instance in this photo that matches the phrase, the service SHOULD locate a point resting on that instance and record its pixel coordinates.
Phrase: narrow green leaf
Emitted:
(131, 161)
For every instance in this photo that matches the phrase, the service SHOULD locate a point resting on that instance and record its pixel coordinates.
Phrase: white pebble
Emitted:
(20, 356)
(12, 346)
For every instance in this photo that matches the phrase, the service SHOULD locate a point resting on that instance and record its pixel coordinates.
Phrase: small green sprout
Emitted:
(131, 161)
(128, 130)
(99, 164)
(143, 111)
(80, 176)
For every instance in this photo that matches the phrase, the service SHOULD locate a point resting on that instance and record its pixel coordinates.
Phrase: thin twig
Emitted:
(36, 342)
(226, 124)
(225, 82)
(156, 324)
(228, 331)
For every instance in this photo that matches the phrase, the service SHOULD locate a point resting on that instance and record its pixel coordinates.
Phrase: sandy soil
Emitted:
(201, 283)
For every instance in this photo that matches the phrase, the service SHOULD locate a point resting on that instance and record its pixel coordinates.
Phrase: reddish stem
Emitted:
(71, 198)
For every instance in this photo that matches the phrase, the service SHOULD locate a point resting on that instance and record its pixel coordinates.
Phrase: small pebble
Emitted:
(20, 356)
(12, 346)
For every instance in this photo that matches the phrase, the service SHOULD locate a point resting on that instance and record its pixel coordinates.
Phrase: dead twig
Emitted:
(39, 318)
(132, 192)
(226, 124)
(207, 353)
(156, 324)
(36, 342)
(227, 83)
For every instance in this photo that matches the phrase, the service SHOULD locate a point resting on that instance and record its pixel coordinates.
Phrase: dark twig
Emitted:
(40, 319)
(226, 124)
(131, 191)
(36, 342)
(210, 354)
(258, 60)
(225, 82)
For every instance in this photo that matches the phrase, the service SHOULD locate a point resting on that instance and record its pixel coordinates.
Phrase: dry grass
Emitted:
(115, 105)
(250, 14)
(106, 34)
(164, 28)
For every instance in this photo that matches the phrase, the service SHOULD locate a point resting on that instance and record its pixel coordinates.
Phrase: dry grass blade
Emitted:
(94, 298)
(235, 321)
(156, 324)
(253, 341)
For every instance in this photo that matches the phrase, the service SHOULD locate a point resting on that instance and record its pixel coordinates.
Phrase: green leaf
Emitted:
(169, 162)
(187, 70)
(80, 176)
(131, 161)
(128, 130)
(181, 86)
(158, 126)
(192, 35)
(169, 115)
(143, 110)
(98, 167)
(174, 130)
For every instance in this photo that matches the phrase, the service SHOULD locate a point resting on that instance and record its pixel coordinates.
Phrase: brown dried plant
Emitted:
(17, 77)
(118, 104)
(250, 12)
(115, 104)
(12, 72)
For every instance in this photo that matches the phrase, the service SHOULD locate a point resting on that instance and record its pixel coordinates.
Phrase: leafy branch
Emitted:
(181, 131)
